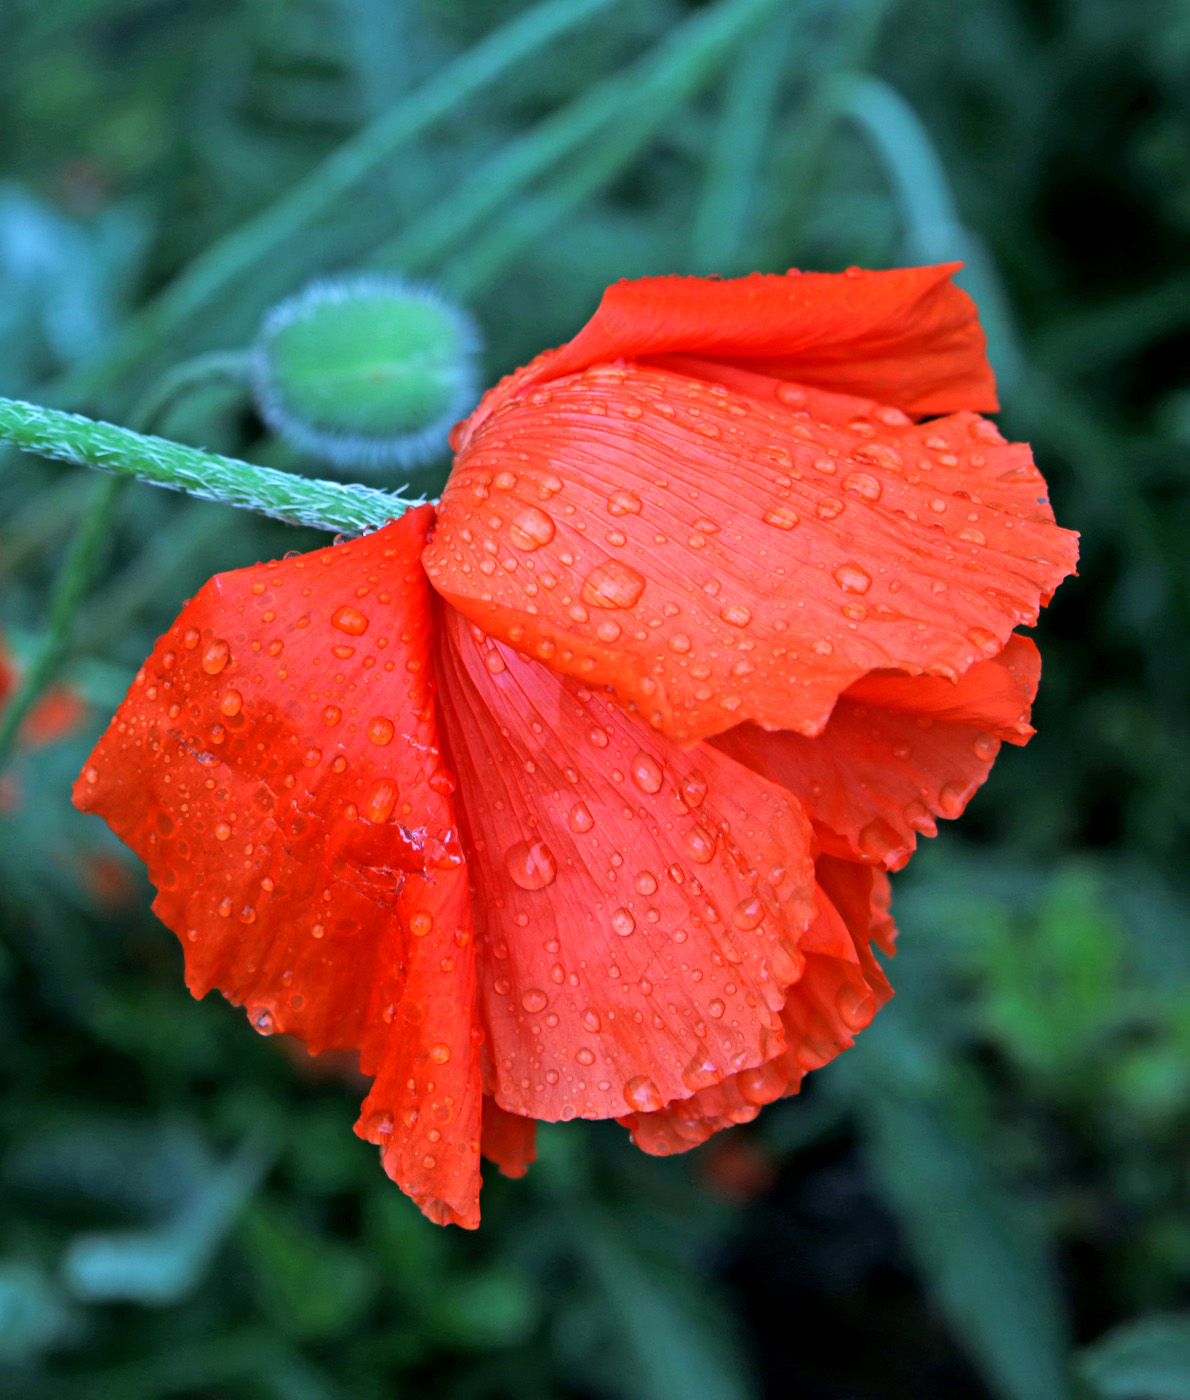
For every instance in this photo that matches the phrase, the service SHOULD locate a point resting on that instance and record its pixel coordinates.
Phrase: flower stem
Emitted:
(297, 500)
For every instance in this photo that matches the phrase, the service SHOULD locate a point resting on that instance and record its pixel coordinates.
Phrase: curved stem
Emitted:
(324, 505)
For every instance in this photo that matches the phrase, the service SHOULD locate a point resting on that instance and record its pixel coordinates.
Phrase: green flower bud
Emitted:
(366, 371)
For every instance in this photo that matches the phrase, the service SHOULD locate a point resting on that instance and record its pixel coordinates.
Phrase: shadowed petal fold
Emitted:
(276, 766)
(638, 908)
(840, 989)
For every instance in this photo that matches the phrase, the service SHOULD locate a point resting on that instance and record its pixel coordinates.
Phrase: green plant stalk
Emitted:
(719, 241)
(323, 505)
(669, 73)
(641, 101)
(247, 247)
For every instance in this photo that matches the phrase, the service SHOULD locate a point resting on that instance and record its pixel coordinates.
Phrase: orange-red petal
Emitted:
(715, 557)
(907, 337)
(509, 1140)
(638, 907)
(898, 752)
(838, 993)
(276, 765)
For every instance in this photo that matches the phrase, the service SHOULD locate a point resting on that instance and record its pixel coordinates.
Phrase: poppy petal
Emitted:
(509, 1140)
(877, 775)
(275, 765)
(833, 1000)
(638, 907)
(714, 558)
(907, 337)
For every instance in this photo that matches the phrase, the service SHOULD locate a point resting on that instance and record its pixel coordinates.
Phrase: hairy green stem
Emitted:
(324, 505)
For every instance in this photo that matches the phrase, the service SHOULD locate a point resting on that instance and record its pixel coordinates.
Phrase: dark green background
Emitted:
(989, 1195)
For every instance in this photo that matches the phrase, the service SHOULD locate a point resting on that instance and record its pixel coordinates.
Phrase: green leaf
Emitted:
(1148, 1359)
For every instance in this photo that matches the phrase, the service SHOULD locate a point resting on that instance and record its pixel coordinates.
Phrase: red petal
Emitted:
(275, 765)
(834, 999)
(508, 1139)
(908, 337)
(638, 908)
(717, 558)
(877, 775)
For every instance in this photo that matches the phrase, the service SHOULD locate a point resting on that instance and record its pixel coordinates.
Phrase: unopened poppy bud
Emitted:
(366, 372)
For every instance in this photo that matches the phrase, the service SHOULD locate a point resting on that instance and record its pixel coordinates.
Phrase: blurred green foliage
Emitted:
(991, 1194)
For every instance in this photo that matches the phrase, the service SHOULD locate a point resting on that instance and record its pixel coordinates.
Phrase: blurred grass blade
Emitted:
(239, 252)
(1148, 1359)
(666, 76)
(729, 198)
(674, 1353)
(934, 231)
(984, 1267)
(161, 1266)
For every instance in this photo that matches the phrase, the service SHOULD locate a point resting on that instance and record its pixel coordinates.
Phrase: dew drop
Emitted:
(972, 536)
(622, 922)
(381, 800)
(222, 831)
(331, 716)
(579, 818)
(494, 662)
(694, 789)
(623, 503)
(592, 1022)
(680, 643)
(231, 703)
(420, 923)
(647, 773)
(986, 748)
(378, 1125)
(866, 487)
(830, 509)
(856, 1006)
(952, 798)
(531, 865)
(612, 585)
(700, 846)
(585, 1056)
(986, 641)
(642, 1095)
(748, 914)
(380, 730)
(735, 615)
(350, 620)
(191, 638)
(852, 579)
(882, 843)
(535, 1000)
(781, 518)
(216, 656)
(716, 1008)
(531, 529)
(262, 1020)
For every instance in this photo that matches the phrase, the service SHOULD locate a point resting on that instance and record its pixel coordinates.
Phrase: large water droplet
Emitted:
(216, 656)
(880, 841)
(534, 1000)
(623, 503)
(531, 865)
(642, 1095)
(735, 615)
(381, 799)
(579, 818)
(694, 789)
(380, 730)
(952, 798)
(860, 484)
(852, 579)
(647, 773)
(350, 620)
(622, 922)
(262, 1020)
(762, 1084)
(856, 1006)
(231, 703)
(748, 914)
(700, 846)
(612, 585)
(585, 1056)
(591, 1020)
(781, 518)
(531, 529)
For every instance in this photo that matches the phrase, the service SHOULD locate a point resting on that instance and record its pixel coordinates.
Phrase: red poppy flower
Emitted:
(575, 797)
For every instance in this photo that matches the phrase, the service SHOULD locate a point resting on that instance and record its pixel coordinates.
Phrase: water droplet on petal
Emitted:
(680, 643)
(531, 529)
(694, 789)
(647, 773)
(592, 1021)
(534, 1000)
(953, 798)
(331, 716)
(882, 843)
(231, 703)
(700, 846)
(748, 914)
(440, 1053)
(622, 922)
(612, 585)
(781, 518)
(716, 1008)
(262, 1020)
(350, 620)
(380, 730)
(852, 579)
(762, 1084)
(191, 638)
(986, 641)
(585, 1056)
(866, 487)
(531, 865)
(216, 656)
(830, 509)
(642, 1095)
(736, 616)
(856, 1006)
(986, 748)
(381, 800)
(579, 818)
(623, 503)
